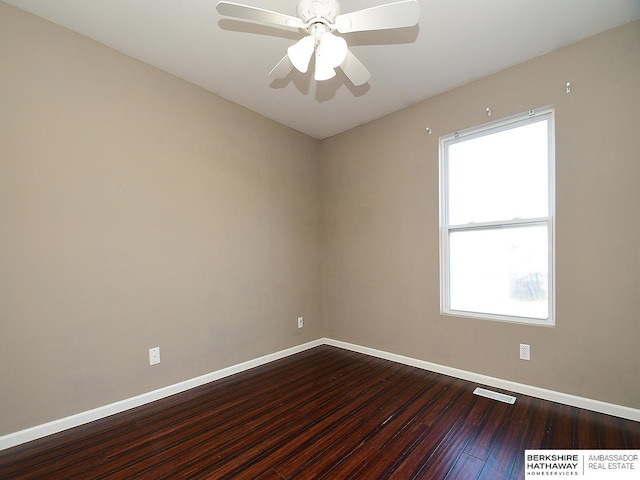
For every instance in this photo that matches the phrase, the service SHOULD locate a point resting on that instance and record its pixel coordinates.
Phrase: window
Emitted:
(496, 220)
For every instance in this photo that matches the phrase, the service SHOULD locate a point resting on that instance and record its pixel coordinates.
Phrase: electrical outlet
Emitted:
(525, 352)
(154, 355)
(300, 322)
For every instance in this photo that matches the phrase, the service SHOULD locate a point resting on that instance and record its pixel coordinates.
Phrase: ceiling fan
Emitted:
(320, 18)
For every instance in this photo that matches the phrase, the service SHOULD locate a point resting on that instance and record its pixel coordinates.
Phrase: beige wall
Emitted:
(380, 187)
(137, 210)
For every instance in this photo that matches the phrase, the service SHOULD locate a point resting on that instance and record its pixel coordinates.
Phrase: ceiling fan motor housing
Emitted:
(325, 11)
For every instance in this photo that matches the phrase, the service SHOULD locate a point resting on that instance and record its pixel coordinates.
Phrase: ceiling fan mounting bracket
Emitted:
(318, 11)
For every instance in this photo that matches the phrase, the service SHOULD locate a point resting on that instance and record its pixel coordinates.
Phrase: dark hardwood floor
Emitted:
(324, 413)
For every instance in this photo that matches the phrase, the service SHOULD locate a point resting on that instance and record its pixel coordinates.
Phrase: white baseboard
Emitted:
(559, 397)
(39, 431)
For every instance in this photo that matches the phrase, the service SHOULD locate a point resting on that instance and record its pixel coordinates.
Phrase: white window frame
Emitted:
(549, 221)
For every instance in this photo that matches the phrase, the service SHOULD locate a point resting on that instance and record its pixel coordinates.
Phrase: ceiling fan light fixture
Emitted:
(300, 53)
(320, 18)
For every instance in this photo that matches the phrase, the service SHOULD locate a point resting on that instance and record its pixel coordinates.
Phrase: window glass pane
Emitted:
(500, 271)
(499, 176)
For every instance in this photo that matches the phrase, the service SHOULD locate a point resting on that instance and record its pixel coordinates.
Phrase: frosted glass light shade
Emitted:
(300, 53)
(324, 71)
(332, 49)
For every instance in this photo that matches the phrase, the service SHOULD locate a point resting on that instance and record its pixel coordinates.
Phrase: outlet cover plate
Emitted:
(525, 352)
(154, 356)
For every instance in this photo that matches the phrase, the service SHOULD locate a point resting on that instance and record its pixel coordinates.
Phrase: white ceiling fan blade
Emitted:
(282, 69)
(300, 53)
(355, 70)
(391, 15)
(256, 14)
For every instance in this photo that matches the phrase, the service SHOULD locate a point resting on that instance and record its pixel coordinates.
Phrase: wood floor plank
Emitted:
(480, 446)
(539, 418)
(326, 413)
(437, 428)
(560, 433)
(269, 475)
(503, 456)
(610, 432)
(445, 457)
(479, 410)
(466, 468)
(586, 429)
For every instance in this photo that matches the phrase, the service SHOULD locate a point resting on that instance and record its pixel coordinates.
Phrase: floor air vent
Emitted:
(495, 395)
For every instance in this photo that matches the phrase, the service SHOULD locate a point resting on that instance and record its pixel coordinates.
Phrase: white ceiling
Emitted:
(455, 42)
